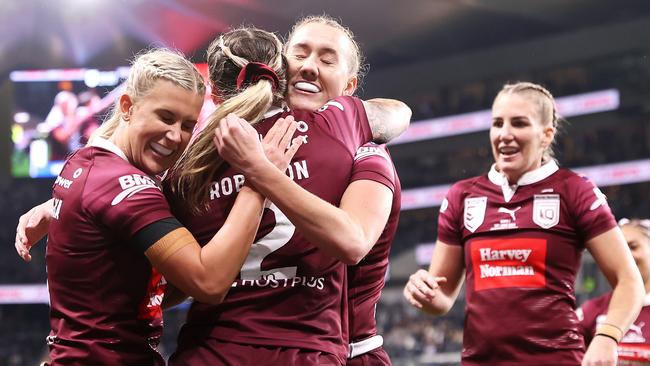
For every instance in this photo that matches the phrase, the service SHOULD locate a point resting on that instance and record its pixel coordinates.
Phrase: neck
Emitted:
(118, 138)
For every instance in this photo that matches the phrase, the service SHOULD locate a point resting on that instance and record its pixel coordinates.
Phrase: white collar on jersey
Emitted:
(531, 177)
(107, 145)
(273, 111)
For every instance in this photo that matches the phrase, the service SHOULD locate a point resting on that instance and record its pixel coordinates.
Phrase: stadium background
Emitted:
(446, 59)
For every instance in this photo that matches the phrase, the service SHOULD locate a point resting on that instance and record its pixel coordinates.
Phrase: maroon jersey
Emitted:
(289, 293)
(634, 348)
(104, 296)
(366, 279)
(522, 248)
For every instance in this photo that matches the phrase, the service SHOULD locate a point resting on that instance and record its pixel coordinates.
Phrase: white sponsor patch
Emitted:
(601, 199)
(474, 212)
(444, 205)
(132, 184)
(546, 210)
(366, 151)
(331, 103)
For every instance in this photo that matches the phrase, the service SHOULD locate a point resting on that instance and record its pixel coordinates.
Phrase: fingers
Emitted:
(281, 128)
(421, 288)
(408, 290)
(22, 249)
(21, 243)
(293, 148)
(272, 135)
(218, 137)
(288, 132)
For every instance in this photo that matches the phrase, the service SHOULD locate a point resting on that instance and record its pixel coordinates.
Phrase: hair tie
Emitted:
(252, 72)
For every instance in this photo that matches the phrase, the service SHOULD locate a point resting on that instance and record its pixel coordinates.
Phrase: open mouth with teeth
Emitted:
(160, 149)
(508, 150)
(306, 87)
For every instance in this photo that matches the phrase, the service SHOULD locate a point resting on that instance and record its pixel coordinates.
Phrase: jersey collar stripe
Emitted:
(107, 145)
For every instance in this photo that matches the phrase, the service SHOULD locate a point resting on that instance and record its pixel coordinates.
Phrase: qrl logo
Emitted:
(132, 184)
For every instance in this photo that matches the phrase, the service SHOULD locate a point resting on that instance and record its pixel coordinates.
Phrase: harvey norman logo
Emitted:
(517, 262)
(132, 184)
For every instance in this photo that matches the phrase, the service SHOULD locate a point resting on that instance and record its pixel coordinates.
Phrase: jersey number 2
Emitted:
(274, 240)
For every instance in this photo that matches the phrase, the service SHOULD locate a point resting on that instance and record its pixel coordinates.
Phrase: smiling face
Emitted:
(158, 126)
(517, 135)
(319, 59)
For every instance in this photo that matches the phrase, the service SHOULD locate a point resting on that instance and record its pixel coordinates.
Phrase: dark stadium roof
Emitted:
(69, 33)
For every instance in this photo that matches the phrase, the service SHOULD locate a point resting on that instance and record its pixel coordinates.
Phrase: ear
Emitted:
(351, 86)
(126, 103)
(548, 136)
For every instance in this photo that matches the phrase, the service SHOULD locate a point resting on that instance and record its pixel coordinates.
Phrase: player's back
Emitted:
(289, 293)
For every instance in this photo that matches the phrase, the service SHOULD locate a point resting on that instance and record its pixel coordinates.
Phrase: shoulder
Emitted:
(470, 185)
(342, 103)
(571, 179)
(113, 177)
(463, 188)
(372, 150)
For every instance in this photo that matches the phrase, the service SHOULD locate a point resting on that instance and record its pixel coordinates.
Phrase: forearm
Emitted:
(626, 302)
(328, 227)
(207, 273)
(224, 255)
(439, 305)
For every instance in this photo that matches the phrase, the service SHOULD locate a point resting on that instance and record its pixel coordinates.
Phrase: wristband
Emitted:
(608, 336)
(609, 330)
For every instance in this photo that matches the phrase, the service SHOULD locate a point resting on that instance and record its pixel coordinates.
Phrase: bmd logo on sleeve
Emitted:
(132, 184)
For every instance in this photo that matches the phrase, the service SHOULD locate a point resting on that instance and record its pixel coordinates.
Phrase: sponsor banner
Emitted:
(24, 294)
(517, 262)
(633, 354)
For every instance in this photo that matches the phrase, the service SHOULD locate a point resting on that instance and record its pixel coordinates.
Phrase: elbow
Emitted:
(404, 118)
(355, 252)
(210, 291)
(351, 259)
(208, 297)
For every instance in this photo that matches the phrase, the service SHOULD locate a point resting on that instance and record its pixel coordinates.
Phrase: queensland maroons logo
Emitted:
(546, 210)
